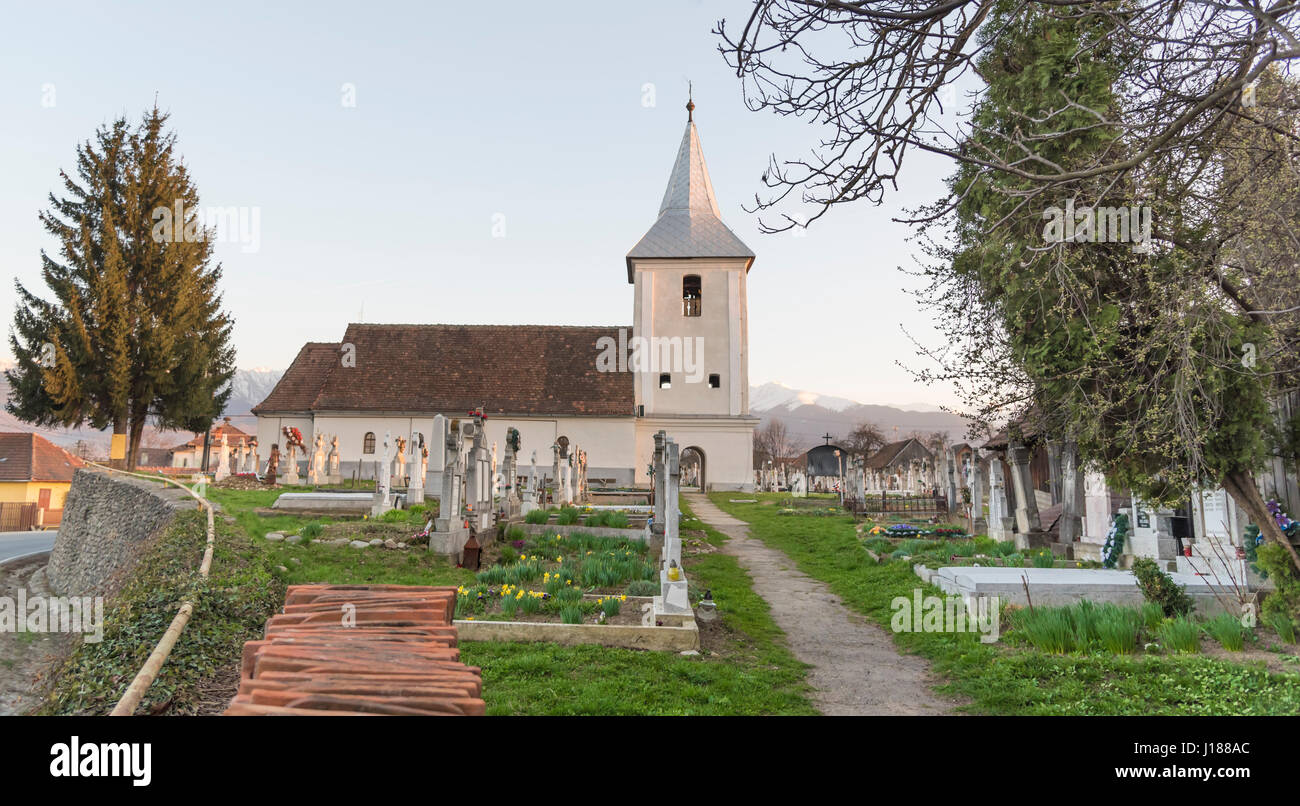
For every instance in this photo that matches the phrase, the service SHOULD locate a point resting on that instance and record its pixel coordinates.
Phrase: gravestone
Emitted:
(334, 471)
(532, 494)
(257, 461)
(1096, 507)
(316, 467)
(674, 597)
(555, 473)
(478, 481)
(419, 467)
(1030, 534)
(1071, 492)
(383, 481)
(437, 457)
(451, 529)
(223, 460)
(975, 473)
(291, 463)
(513, 504)
(1000, 521)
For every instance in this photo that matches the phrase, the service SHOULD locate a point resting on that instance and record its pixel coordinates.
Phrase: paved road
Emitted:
(856, 669)
(16, 544)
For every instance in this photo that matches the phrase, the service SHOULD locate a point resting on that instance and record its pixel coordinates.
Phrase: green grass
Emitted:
(1001, 679)
(1227, 630)
(752, 672)
(1180, 634)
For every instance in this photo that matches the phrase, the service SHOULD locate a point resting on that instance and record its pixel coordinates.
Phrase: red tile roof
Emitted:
(302, 381)
(232, 437)
(506, 369)
(29, 457)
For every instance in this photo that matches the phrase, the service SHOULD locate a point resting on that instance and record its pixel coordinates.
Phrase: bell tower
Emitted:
(689, 316)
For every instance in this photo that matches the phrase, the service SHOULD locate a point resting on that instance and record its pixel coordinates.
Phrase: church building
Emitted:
(682, 367)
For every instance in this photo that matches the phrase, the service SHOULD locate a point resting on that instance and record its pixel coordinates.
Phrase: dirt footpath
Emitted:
(856, 670)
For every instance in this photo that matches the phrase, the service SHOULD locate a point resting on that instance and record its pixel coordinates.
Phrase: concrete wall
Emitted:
(107, 523)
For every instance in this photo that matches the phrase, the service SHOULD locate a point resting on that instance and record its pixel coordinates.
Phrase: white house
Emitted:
(682, 367)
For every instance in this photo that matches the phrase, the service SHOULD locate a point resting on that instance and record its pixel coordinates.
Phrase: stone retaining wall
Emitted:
(108, 521)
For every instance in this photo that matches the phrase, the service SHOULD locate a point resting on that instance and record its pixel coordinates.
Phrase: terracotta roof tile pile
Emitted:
(400, 658)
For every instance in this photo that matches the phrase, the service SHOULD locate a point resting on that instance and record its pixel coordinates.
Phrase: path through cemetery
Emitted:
(856, 669)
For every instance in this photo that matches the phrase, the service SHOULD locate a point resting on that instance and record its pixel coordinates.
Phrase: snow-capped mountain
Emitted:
(775, 395)
(250, 387)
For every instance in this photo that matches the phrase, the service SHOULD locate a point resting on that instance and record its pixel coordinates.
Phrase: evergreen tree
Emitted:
(135, 329)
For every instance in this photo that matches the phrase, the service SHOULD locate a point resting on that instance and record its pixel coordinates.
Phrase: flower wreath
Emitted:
(1114, 544)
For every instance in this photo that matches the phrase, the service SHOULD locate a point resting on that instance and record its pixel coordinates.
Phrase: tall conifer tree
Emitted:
(135, 329)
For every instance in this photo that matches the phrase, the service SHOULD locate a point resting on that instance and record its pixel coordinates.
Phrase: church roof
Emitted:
(450, 369)
(689, 223)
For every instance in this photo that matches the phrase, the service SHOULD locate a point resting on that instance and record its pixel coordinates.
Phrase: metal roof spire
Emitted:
(689, 223)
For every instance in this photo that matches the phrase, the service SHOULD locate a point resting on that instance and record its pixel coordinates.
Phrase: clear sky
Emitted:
(384, 211)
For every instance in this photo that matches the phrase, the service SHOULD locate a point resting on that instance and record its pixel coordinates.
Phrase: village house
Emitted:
(35, 475)
(592, 387)
(190, 454)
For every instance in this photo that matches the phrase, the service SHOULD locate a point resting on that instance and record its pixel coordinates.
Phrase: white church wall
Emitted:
(728, 447)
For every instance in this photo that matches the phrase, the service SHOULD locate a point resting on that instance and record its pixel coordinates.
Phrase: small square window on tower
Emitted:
(665, 380)
(715, 381)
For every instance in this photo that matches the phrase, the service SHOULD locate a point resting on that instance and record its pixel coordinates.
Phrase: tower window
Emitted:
(692, 299)
(665, 380)
(368, 444)
(715, 381)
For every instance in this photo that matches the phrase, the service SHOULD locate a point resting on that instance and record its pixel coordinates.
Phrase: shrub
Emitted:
(1285, 599)
(1227, 630)
(1043, 558)
(1180, 634)
(1014, 560)
(530, 604)
(879, 545)
(1282, 625)
(311, 531)
(536, 516)
(1159, 587)
(568, 516)
(514, 533)
(643, 587)
(1048, 629)
(1005, 547)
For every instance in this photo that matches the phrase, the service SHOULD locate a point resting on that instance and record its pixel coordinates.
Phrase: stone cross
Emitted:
(555, 471)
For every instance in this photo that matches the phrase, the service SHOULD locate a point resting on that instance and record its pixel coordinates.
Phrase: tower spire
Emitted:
(690, 103)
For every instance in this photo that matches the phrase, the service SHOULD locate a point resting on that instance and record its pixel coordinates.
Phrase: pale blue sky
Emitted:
(462, 111)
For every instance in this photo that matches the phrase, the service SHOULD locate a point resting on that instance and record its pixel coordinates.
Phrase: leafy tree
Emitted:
(134, 329)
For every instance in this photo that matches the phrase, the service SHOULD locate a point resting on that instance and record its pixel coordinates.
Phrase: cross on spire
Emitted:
(827, 436)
